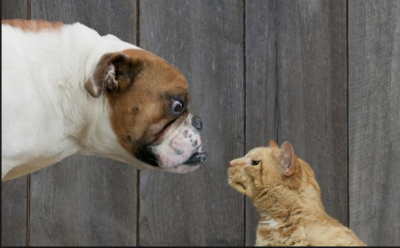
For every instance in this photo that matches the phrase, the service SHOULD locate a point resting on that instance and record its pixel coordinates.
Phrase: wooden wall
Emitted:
(322, 74)
(374, 120)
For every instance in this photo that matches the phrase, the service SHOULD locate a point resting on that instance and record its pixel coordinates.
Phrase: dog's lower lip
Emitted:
(196, 158)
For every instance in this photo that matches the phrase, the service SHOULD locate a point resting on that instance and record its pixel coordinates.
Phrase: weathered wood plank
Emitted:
(204, 39)
(86, 200)
(14, 194)
(105, 16)
(312, 93)
(83, 201)
(11, 9)
(296, 82)
(14, 212)
(261, 86)
(374, 120)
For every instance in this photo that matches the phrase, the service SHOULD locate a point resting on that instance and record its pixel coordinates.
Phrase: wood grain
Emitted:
(14, 194)
(256, 70)
(14, 206)
(86, 200)
(261, 87)
(204, 39)
(296, 73)
(374, 120)
(83, 201)
(312, 93)
(11, 9)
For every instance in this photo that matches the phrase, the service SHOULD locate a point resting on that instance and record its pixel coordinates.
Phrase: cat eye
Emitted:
(255, 162)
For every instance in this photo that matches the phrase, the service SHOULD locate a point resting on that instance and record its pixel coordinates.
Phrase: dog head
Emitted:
(149, 114)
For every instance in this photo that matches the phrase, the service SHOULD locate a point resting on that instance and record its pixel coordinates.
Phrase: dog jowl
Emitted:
(96, 95)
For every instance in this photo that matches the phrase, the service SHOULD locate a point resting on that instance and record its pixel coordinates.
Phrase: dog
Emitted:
(66, 90)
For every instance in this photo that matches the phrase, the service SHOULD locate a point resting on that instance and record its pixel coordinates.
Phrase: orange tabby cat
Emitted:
(287, 198)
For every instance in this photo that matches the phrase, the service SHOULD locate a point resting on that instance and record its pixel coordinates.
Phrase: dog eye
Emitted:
(177, 106)
(255, 162)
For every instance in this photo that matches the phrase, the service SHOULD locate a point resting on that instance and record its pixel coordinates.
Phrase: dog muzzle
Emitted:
(181, 148)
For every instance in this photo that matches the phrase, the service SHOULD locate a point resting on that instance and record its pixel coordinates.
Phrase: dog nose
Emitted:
(196, 122)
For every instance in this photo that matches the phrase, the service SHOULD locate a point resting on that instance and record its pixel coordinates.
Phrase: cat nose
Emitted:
(234, 162)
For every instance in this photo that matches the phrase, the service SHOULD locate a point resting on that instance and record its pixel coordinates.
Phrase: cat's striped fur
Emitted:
(287, 197)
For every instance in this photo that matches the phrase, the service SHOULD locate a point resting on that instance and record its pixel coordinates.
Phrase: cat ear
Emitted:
(272, 143)
(287, 156)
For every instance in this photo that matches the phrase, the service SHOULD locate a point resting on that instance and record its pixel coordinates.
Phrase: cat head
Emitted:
(265, 167)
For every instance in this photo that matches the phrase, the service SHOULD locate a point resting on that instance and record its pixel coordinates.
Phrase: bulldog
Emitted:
(66, 89)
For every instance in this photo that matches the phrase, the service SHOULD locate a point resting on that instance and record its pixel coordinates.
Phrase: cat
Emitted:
(287, 197)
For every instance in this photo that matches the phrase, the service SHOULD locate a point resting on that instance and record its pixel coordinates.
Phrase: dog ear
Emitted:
(287, 158)
(272, 143)
(108, 70)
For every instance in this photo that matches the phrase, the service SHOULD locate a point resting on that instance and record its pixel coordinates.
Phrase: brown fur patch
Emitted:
(140, 107)
(33, 25)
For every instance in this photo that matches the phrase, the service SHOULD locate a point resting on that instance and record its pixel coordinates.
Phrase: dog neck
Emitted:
(93, 137)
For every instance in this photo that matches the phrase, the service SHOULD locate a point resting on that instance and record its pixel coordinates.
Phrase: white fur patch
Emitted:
(269, 221)
(43, 74)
